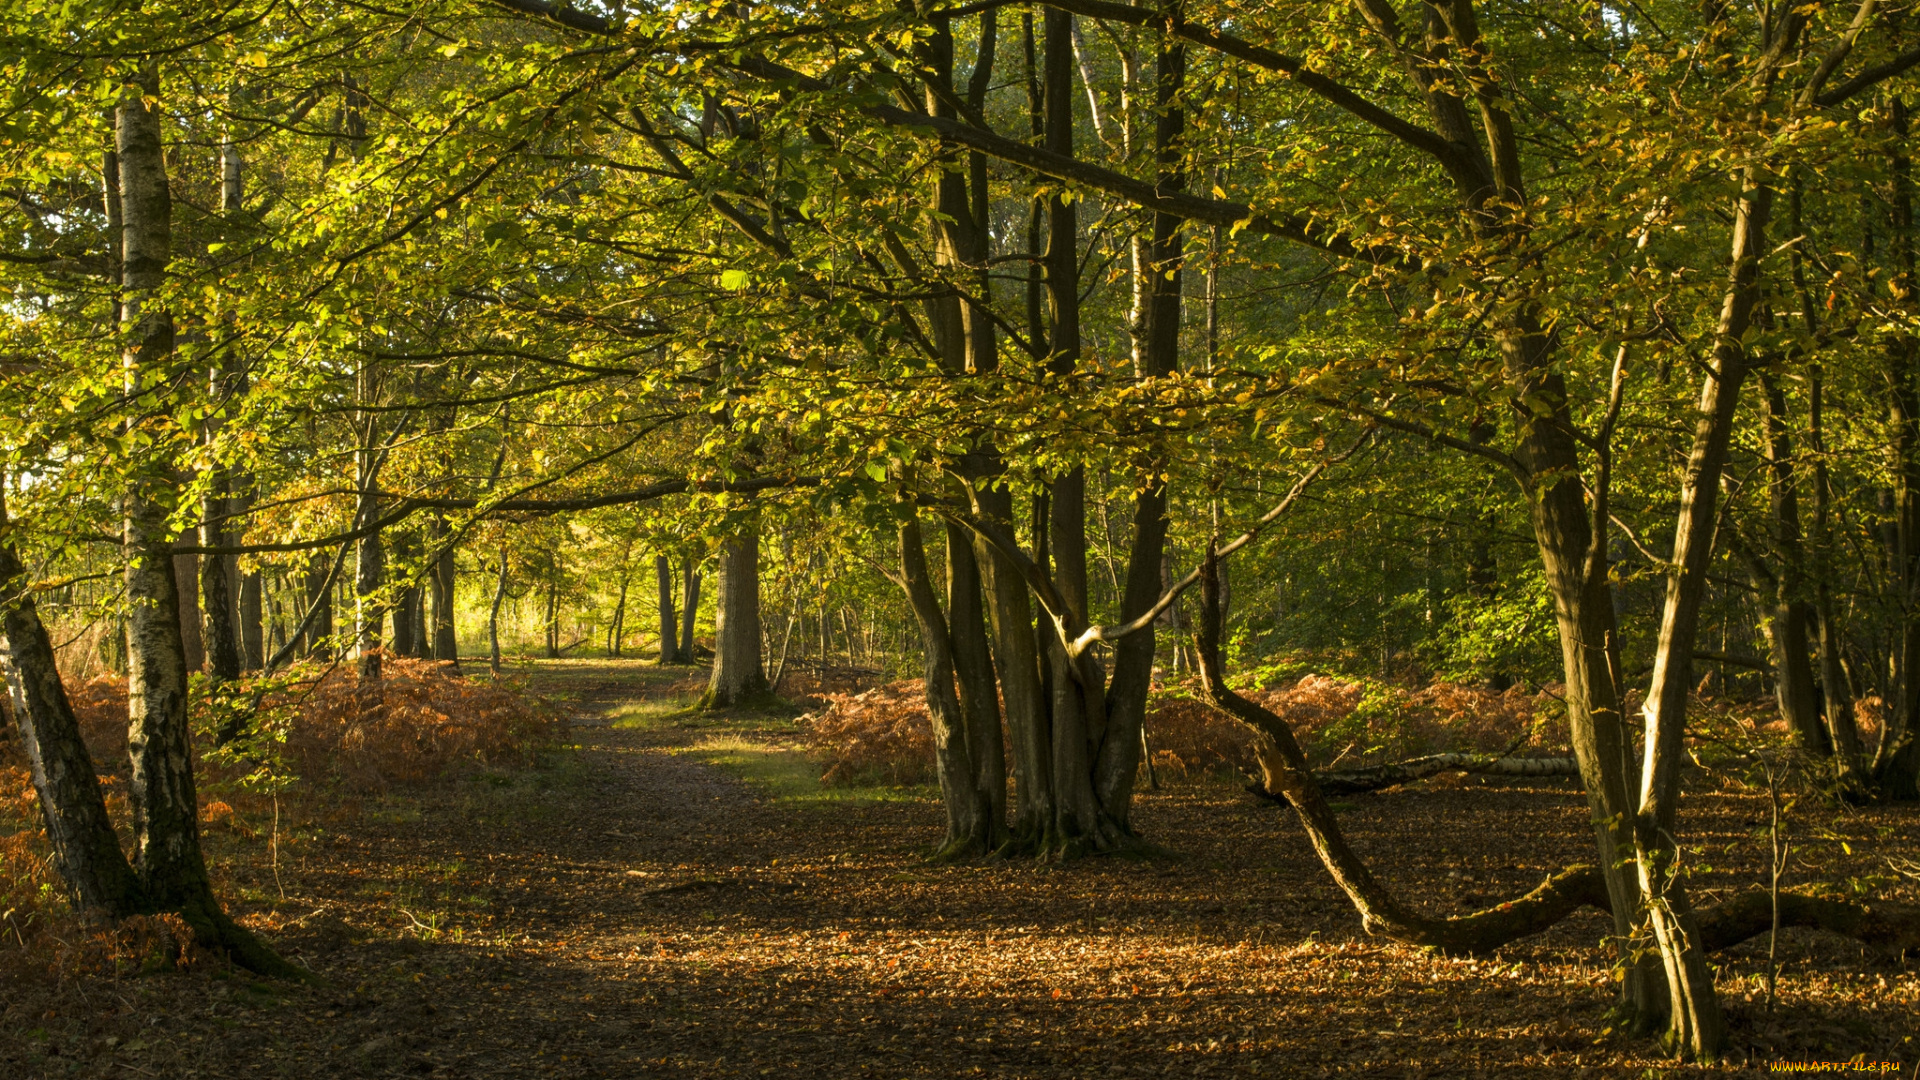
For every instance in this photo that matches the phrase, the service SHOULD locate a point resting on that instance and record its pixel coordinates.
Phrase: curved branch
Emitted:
(1093, 634)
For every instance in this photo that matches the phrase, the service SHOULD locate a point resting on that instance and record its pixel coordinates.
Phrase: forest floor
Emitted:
(673, 895)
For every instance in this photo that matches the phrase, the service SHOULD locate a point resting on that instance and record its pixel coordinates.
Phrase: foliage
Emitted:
(878, 735)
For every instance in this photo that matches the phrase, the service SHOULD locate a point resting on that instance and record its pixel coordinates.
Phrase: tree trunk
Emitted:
(1016, 660)
(1895, 757)
(219, 615)
(669, 644)
(1698, 1028)
(1573, 554)
(972, 827)
(493, 614)
(738, 676)
(253, 645)
(403, 621)
(186, 568)
(85, 847)
(446, 641)
(166, 821)
(690, 610)
(548, 624)
(368, 580)
(319, 617)
(979, 700)
(1786, 622)
(1892, 927)
(1117, 754)
(1285, 770)
(615, 631)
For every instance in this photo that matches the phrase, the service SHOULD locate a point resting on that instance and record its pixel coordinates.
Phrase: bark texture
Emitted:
(738, 673)
(167, 853)
(86, 848)
(669, 625)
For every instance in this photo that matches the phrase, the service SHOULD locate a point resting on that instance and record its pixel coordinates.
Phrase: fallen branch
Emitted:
(1889, 926)
(1286, 771)
(1355, 781)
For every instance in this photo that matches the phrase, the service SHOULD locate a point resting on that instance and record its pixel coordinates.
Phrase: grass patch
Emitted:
(788, 775)
(654, 714)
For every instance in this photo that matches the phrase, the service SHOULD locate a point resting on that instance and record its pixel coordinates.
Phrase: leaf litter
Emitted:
(627, 909)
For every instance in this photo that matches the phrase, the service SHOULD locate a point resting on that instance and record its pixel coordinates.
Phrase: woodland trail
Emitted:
(632, 910)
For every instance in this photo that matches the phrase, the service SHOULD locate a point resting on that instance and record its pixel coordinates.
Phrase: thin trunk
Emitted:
(493, 615)
(669, 645)
(370, 567)
(1698, 1027)
(1786, 624)
(690, 609)
(552, 621)
(615, 632)
(319, 615)
(446, 641)
(368, 579)
(1836, 690)
(1117, 754)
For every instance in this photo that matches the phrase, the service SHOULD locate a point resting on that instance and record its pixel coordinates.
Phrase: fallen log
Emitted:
(1886, 925)
(1355, 781)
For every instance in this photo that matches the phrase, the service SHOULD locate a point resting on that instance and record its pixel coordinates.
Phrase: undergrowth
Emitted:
(306, 748)
(883, 735)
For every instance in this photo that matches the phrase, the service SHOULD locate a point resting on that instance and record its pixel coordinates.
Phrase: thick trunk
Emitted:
(738, 675)
(1572, 549)
(978, 698)
(1080, 824)
(971, 824)
(669, 626)
(1894, 755)
(1010, 618)
(167, 853)
(404, 627)
(85, 847)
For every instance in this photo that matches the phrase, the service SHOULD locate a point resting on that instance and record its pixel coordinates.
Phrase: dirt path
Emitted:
(630, 911)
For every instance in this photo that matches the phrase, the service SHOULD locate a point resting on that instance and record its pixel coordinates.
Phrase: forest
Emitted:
(930, 538)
